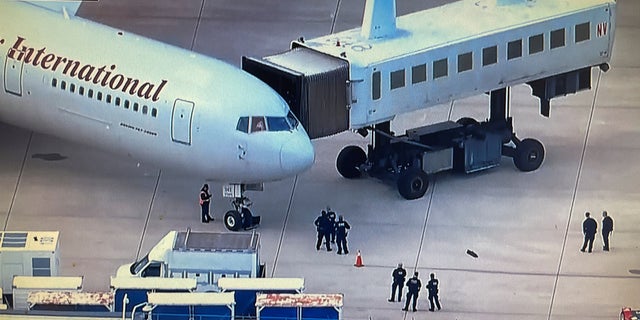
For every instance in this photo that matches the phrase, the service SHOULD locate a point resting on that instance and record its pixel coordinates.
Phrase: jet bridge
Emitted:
(314, 85)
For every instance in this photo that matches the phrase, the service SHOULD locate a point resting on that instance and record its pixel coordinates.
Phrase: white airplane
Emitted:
(82, 81)
(366, 76)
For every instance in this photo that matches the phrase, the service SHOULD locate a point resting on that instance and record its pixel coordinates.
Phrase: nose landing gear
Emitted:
(240, 217)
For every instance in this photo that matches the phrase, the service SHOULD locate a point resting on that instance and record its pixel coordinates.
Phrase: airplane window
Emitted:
(258, 124)
(154, 112)
(126, 104)
(278, 124)
(81, 91)
(90, 93)
(72, 88)
(63, 85)
(144, 109)
(117, 101)
(243, 124)
(99, 96)
(54, 82)
(108, 98)
(292, 120)
(135, 106)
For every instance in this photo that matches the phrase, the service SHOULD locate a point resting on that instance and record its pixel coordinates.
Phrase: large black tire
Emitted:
(233, 220)
(349, 159)
(413, 184)
(466, 121)
(529, 155)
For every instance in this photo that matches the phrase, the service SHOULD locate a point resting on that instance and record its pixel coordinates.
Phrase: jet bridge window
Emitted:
(557, 38)
(465, 62)
(440, 68)
(536, 43)
(397, 79)
(489, 55)
(582, 32)
(514, 49)
(419, 73)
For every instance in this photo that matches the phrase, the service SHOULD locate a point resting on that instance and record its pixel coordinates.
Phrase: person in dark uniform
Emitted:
(341, 228)
(322, 226)
(589, 228)
(607, 228)
(205, 200)
(332, 221)
(414, 286)
(432, 286)
(399, 276)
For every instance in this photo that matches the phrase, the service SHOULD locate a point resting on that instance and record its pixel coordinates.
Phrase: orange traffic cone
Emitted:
(359, 263)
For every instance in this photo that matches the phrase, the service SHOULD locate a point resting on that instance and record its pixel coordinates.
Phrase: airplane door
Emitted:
(13, 76)
(181, 121)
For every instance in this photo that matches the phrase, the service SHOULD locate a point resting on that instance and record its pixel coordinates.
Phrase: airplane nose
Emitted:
(296, 155)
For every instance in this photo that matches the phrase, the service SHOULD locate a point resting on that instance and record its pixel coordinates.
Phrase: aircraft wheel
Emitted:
(233, 220)
(413, 184)
(349, 159)
(529, 155)
(466, 121)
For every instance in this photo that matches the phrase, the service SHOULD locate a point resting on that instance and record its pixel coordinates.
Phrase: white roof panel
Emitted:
(153, 283)
(191, 298)
(261, 283)
(443, 25)
(46, 283)
(299, 300)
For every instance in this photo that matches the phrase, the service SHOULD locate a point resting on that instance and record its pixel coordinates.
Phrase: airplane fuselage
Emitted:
(96, 85)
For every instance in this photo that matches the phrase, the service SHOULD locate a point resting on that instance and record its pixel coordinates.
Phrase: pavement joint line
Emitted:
(284, 226)
(575, 192)
(15, 190)
(146, 222)
(195, 32)
(335, 17)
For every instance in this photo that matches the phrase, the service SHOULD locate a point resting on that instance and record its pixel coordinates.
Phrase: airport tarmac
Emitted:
(524, 227)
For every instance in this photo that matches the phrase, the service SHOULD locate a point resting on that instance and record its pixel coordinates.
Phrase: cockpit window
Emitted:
(278, 124)
(243, 124)
(292, 120)
(258, 124)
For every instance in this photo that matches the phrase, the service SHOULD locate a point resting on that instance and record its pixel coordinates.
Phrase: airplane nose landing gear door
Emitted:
(181, 121)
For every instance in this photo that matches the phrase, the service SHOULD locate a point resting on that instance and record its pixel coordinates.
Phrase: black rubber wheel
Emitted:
(413, 184)
(246, 218)
(233, 220)
(529, 155)
(466, 121)
(349, 159)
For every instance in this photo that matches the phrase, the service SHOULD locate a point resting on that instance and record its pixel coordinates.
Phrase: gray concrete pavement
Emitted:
(525, 227)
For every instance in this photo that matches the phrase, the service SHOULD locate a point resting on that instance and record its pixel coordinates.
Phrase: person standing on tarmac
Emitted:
(332, 220)
(399, 276)
(341, 228)
(322, 227)
(432, 286)
(589, 228)
(205, 200)
(414, 286)
(607, 228)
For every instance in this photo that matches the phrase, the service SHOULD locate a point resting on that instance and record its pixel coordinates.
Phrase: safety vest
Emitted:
(201, 196)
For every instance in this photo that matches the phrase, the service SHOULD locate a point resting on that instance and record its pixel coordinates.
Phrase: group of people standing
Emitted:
(332, 231)
(413, 289)
(590, 228)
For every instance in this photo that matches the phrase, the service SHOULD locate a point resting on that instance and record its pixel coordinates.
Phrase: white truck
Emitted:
(205, 256)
